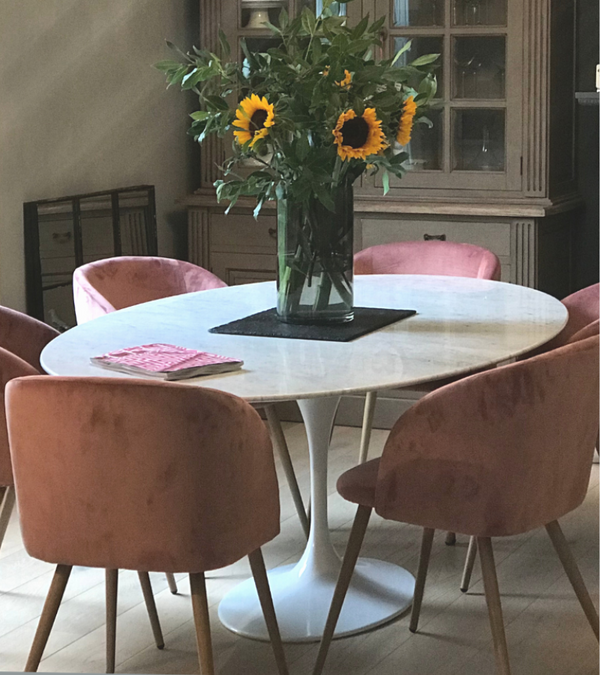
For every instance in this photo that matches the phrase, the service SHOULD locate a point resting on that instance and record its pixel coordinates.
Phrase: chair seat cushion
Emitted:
(358, 484)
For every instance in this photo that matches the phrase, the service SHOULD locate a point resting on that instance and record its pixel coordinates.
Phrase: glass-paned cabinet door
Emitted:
(475, 139)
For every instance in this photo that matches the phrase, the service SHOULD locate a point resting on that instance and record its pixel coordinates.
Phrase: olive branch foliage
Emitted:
(301, 77)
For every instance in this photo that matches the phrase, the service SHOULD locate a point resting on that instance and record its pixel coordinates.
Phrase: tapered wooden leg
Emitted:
(450, 538)
(53, 600)
(350, 557)
(426, 543)
(112, 585)
(172, 582)
(367, 426)
(492, 596)
(568, 562)
(257, 565)
(202, 623)
(7, 499)
(280, 444)
(469, 564)
(151, 608)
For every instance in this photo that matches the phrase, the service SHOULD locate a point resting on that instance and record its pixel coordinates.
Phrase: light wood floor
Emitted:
(546, 629)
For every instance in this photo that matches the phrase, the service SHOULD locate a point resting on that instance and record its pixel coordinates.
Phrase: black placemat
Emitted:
(266, 324)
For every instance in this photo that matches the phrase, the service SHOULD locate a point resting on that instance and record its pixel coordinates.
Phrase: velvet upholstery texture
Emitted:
(24, 336)
(139, 475)
(499, 453)
(584, 309)
(11, 366)
(115, 283)
(446, 258)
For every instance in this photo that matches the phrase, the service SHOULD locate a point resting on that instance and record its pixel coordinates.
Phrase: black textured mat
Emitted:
(266, 324)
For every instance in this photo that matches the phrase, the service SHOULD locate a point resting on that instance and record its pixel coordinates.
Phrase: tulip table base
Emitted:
(302, 593)
(379, 592)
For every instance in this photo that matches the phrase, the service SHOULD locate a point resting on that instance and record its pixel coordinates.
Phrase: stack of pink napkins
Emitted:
(167, 361)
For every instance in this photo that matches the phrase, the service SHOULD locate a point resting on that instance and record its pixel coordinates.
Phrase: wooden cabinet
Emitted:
(496, 169)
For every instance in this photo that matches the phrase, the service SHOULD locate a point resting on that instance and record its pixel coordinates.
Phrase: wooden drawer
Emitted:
(494, 236)
(241, 233)
(240, 268)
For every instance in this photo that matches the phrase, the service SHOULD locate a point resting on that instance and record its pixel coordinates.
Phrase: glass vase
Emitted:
(315, 252)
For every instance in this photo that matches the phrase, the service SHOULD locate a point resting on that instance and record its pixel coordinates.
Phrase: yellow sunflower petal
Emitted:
(406, 121)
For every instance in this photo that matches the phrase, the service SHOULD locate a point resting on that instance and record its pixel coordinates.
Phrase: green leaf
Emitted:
(402, 50)
(200, 115)
(385, 177)
(167, 65)
(425, 60)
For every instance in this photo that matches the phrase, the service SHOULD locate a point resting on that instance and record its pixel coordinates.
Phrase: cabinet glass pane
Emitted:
(256, 12)
(479, 12)
(418, 12)
(419, 47)
(336, 7)
(479, 140)
(479, 67)
(425, 150)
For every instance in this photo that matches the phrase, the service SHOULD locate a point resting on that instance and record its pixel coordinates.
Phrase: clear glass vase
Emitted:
(315, 250)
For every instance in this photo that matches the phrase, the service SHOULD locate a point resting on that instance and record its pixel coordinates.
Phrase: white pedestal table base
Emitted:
(378, 593)
(302, 592)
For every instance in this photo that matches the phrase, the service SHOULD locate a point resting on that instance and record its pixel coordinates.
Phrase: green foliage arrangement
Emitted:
(313, 113)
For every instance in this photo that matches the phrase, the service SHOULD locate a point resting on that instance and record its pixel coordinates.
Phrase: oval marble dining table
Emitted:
(461, 325)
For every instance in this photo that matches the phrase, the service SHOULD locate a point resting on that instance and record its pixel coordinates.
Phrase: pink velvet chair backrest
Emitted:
(587, 331)
(584, 308)
(446, 258)
(498, 453)
(115, 283)
(11, 366)
(24, 336)
(139, 475)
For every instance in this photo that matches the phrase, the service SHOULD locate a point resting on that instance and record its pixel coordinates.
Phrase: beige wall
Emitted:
(82, 109)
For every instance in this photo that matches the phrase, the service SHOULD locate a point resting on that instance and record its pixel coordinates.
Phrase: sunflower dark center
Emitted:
(355, 132)
(258, 119)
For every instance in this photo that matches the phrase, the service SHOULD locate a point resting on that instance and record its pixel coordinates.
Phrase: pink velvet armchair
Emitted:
(495, 454)
(144, 476)
(115, 283)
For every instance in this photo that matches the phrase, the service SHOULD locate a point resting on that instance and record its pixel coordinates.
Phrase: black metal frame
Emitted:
(33, 265)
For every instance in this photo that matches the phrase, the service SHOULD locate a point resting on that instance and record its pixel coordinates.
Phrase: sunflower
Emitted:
(254, 116)
(406, 121)
(356, 136)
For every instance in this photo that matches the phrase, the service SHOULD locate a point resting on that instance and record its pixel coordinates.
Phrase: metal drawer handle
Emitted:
(434, 237)
(272, 233)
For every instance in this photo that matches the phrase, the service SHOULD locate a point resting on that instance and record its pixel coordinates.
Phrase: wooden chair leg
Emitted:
(7, 499)
(426, 544)
(53, 600)
(202, 623)
(355, 541)
(367, 426)
(450, 538)
(280, 444)
(259, 572)
(492, 596)
(112, 585)
(172, 582)
(563, 550)
(151, 608)
(469, 564)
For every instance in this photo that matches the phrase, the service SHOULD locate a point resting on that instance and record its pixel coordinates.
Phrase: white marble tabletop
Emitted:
(461, 325)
